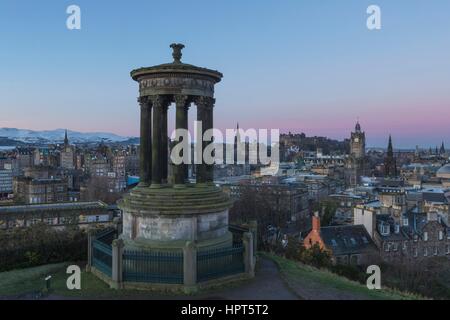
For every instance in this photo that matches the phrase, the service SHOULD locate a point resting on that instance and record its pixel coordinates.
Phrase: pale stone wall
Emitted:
(168, 228)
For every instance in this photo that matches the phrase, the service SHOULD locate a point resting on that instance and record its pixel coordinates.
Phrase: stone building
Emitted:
(57, 215)
(349, 244)
(6, 183)
(67, 156)
(32, 191)
(287, 200)
(355, 166)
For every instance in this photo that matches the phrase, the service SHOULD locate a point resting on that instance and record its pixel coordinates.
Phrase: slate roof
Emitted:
(53, 206)
(435, 197)
(348, 239)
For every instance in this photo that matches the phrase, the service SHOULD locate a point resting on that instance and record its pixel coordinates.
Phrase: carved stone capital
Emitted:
(143, 101)
(204, 102)
(182, 101)
(160, 101)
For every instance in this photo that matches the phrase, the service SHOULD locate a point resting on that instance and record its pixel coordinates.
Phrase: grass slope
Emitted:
(313, 283)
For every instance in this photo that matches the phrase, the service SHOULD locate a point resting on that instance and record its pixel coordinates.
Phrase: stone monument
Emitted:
(164, 213)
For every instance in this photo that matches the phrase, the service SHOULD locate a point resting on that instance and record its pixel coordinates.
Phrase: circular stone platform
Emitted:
(165, 218)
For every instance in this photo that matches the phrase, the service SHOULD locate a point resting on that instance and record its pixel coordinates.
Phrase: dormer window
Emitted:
(385, 230)
(405, 222)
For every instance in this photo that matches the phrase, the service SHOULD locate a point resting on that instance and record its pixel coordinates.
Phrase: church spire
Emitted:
(442, 151)
(390, 164)
(66, 140)
(390, 150)
(357, 126)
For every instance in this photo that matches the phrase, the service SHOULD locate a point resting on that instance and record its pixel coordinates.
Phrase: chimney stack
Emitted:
(316, 222)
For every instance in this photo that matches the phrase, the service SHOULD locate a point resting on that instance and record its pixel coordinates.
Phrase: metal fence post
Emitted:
(91, 238)
(248, 254)
(253, 226)
(190, 267)
(117, 253)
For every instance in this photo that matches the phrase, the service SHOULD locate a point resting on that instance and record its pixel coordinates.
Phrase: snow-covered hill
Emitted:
(31, 136)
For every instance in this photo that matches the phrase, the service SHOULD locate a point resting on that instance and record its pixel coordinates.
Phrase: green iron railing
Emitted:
(153, 267)
(102, 257)
(217, 263)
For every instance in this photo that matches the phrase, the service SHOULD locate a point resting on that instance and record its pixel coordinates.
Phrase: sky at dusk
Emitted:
(297, 65)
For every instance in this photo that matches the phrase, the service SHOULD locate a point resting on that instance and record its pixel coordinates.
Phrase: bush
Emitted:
(40, 244)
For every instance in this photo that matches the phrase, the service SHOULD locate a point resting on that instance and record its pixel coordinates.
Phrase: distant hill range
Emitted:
(16, 136)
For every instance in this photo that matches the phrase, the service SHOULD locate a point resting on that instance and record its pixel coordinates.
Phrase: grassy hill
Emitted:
(305, 281)
(312, 283)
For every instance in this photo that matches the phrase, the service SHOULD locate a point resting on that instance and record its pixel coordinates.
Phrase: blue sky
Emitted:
(300, 65)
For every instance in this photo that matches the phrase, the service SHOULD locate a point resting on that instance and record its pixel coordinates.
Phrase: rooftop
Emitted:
(54, 206)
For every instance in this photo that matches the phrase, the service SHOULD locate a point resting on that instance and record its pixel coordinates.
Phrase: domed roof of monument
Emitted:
(176, 67)
(444, 169)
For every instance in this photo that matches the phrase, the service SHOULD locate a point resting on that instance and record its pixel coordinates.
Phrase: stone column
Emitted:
(159, 104)
(190, 267)
(209, 171)
(117, 253)
(164, 142)
(249, 261)
(205, 115)
(145, 160)
(182, 105)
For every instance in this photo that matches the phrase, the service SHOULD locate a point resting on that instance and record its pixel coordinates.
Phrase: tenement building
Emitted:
(28, 190)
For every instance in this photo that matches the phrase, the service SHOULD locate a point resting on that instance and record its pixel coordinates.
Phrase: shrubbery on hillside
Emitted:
(40, 244)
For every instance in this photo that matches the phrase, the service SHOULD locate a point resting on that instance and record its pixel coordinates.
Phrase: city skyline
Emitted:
(299, 67)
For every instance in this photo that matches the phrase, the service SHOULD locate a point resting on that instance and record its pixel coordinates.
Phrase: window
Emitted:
(425, 252)
(353, 241)
(334, 243)
(436, 251)
(415, 252)
(405, 222)
(441, 235)
(365, 240)
(425, 236)
(448, 249)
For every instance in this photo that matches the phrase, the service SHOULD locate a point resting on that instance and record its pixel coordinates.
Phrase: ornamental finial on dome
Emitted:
(176, 54)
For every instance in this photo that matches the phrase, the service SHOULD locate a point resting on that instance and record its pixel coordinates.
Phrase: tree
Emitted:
(316, 257)
(254, 205)
(327, 211)
(97, 188)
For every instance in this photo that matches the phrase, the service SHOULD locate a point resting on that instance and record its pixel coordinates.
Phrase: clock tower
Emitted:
(356, 161)
(358, 143)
